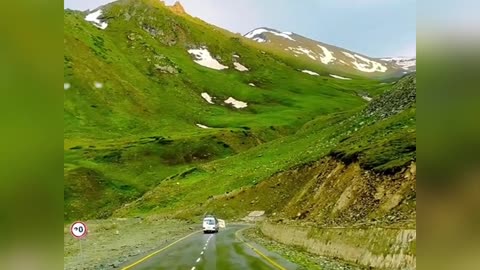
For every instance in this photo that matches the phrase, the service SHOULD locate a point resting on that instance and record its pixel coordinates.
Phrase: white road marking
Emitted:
(158, 251)
(203, 251)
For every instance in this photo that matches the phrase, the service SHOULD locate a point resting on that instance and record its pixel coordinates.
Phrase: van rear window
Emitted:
(209, 221)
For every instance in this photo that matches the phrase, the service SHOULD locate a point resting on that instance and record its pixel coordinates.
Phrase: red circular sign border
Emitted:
(84, 225)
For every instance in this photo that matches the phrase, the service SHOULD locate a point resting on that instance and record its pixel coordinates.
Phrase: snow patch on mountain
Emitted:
(259, 40)
(202, 126)
(98, 85)
(367, 98)
(240, 67)
(204, 58)
(207, 97)
(364, 64)
(236, 103)
(339, 77)
(327, 55)
(253, 34)
(294, 50)
(94, 18)
(310, 72)
(403, 62)
(301, 50)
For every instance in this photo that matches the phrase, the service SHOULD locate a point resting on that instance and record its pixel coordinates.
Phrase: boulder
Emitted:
(255, 216)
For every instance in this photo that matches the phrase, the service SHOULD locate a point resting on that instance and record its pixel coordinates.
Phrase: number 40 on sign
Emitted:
(78, 229)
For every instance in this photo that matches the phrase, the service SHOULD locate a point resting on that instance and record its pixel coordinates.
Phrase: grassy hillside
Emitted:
(134, 101)
(378, 141)
(366, 179)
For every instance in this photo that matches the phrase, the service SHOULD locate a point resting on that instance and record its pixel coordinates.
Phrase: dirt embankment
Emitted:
(340, 211)
(328, 193)
(346, 195)
(300, 256)
(380, 248)
(111, 242)
(355, 215)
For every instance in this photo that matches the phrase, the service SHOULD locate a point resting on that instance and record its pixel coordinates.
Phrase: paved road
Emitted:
(226, 250)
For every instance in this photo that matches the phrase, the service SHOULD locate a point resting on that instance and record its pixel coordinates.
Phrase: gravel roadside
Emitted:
(296, 255)
(111, 242)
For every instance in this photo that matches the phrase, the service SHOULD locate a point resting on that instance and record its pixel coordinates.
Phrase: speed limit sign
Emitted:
(78, 229)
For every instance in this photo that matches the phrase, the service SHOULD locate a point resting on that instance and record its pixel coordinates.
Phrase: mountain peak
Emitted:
(178, 8)
(258, 34)
(324, 54)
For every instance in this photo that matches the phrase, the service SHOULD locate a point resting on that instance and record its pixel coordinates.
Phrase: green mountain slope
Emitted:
(384, 143)
(134, 111)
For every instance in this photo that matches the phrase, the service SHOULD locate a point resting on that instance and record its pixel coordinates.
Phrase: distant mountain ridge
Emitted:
(329, 55)
(406, 63)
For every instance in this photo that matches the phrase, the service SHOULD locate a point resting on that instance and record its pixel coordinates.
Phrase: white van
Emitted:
(210, 224)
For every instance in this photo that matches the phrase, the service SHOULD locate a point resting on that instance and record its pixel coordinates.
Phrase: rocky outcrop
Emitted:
(166, 69)
(177, 8)
(402, 96)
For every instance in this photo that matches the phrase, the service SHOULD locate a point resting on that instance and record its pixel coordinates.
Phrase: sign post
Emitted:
(79, 231)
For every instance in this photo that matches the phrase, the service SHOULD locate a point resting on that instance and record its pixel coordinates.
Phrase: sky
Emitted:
(376, 28)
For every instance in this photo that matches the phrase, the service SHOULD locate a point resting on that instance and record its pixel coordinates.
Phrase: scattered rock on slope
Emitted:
(401, 97)
(166, 69)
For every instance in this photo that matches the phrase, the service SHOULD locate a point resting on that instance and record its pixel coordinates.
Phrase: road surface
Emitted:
(225, 250)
